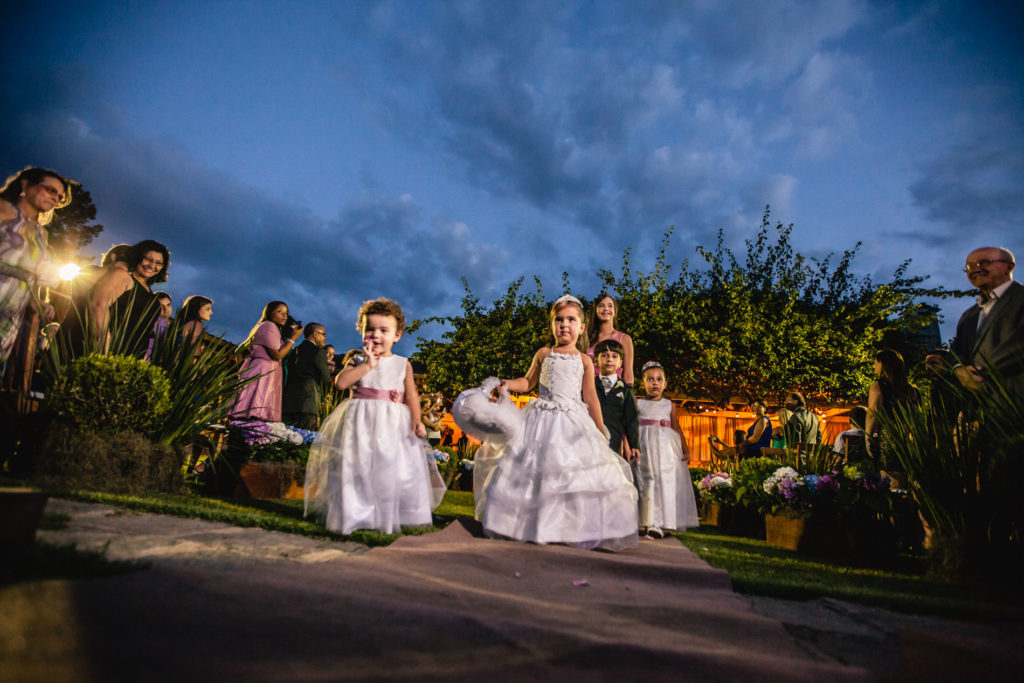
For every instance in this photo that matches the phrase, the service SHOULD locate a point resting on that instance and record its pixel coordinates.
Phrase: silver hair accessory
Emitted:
(568, 298)
(651, 364)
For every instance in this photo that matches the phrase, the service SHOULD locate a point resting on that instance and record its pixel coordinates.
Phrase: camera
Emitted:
(291, 325)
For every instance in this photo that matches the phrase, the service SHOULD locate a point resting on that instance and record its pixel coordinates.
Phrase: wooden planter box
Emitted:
(715, 514)
(269, 480)
(858, 542)
(21, 510)
(784, 532)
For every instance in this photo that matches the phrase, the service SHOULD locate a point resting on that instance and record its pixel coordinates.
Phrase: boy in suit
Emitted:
(621, 418)
(618, 405)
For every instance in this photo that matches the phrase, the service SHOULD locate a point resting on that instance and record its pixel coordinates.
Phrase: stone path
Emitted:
(221, 602)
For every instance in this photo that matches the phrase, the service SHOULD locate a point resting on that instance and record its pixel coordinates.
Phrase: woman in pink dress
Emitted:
(261, 399)
(601, 326)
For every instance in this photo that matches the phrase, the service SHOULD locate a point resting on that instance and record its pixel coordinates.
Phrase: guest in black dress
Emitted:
(123, 308)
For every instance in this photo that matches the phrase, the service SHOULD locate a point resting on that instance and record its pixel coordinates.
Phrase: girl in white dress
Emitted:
(556, 481)
(670, 499)
(367, 468)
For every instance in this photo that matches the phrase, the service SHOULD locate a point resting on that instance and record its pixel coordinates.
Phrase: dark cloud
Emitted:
(241, 245)
(599, 127)
(975, 185)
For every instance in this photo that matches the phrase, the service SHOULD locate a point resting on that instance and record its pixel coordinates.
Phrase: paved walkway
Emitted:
(224, 603)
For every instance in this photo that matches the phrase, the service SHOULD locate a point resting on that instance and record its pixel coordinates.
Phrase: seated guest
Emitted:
(759, 434)
(332, 365)
(779, 435)
(853, 442)
(749, 444)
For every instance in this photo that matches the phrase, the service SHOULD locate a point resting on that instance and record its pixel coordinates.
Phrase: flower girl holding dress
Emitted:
(556, 480)
(367, 468)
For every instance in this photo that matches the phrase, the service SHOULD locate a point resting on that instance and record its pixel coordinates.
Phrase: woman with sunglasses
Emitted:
(27, 202)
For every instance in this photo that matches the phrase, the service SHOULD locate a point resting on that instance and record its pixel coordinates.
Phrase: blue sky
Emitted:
(324, 153)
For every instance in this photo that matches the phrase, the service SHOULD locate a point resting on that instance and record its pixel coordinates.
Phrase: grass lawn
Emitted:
(757, 569)
(754, 567)
(273, 515)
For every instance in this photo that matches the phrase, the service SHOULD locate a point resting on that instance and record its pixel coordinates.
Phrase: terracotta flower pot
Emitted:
(267, 481)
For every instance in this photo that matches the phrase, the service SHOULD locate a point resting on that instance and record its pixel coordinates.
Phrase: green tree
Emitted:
(732, 328)
(71, 227)
(496, 342)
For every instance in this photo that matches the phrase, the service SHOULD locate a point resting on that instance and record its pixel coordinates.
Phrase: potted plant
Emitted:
(276, 460)
(717, 497)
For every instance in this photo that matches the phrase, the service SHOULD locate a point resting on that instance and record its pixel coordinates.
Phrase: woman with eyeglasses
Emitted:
(27, 202)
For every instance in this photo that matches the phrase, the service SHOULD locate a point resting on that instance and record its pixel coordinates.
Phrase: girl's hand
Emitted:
(419, 430)
(296, 333)
(371, 356)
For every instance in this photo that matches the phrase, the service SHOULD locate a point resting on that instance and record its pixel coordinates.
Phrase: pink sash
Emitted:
(392, 395)
(655, 423)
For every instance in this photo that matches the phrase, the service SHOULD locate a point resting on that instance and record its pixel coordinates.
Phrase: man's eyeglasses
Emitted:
(983, 263)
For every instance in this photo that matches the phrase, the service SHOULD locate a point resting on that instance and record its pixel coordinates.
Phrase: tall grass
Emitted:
(203, 373)
(966, 469)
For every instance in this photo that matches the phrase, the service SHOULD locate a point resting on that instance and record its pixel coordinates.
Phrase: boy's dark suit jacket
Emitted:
(618, 408)
(307, 375)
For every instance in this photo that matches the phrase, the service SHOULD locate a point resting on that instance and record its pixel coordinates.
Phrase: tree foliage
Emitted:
(734, 327)
(495, 342)
(70, 229)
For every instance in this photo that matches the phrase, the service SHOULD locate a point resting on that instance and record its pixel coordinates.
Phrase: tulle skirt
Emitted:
(669, 492)
(558, 482)
(367, 470)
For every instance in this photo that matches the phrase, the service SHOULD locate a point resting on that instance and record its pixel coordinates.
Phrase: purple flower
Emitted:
(789, 488)
(828, 482)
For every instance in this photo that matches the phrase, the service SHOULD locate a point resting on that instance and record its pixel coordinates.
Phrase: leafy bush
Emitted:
(748, 483)
(698, 473)
(118, 462)
(112, 394)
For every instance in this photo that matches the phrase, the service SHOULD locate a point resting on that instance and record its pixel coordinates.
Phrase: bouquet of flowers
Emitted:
(852, 491)
(717, 487)
(791, 490)
(274, 441)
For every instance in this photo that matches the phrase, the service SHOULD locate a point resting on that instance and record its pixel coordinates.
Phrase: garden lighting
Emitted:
(69, 271)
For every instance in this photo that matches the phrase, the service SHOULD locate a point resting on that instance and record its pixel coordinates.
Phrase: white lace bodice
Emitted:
(561, 379)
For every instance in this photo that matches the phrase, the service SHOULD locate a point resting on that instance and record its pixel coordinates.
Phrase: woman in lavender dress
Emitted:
(261, 399)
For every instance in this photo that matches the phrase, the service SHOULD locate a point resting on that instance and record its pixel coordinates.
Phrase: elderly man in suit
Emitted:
(307, 376)
(990, 335)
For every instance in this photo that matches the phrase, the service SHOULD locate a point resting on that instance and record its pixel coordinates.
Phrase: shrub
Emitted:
(748, 481)
(118, 462)
(111, 394)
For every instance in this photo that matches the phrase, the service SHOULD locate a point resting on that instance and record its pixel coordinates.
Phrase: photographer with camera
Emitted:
(269, 342)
